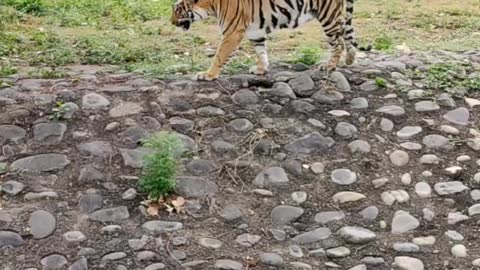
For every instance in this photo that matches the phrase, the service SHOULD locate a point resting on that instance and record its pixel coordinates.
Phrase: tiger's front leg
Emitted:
(229, 44)
(262, 57)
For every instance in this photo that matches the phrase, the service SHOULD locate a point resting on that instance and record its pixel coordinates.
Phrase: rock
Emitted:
(201, 166)
(390, 197)
(458, 116)
(386, 125)
(406, 247)
(74, 237)
(194, 187)
(359, 146)
(446, 100)
(317, 168)
(476, 262)
(114, 256)
(391, 110)
(436, 142)
(449, 130)
(101, 149)
(93, 101)
(403, 222)
(303, 85)
(346, 130)
(281, 89)
(231, 213)
(12, 188)
(89, 174)
(295, 251)
(313, 236)
(301, 106)
(156, 227)
(423, 190)
(416, 94)
(459, 251)
(42, 224)
(456, 217)
(356, 235)
(134, 157)
(49, 133)
(426, 106)
(135, 135)
(472, 103)
(41, 163)
(147, 255)
(411, 146)
(241, 125)
(125, 109)
(343, 177)
(10, 239)
(310, 144)
(284, 214)
(90, 202)
(180, 124)
(329, 216)
(399, 158)
(228, 265)
(429, 159)
(428, 214)
(474, 210)
(475, 194)
(54, 261)
(370, 213)
(301, 266)
(299, 197)
(137, 244)
(247, 240)
(408, 263)
(424, 241)
(328, 97)
(40, 195)
(155, 266)
(272, 259)
(359, 267)
(210, 111)
(341, 83)
(129, 194)
(245, 97)
(447, 188)
(80, 264)
(271, 176)
(408, 132)
(347, 196)
(110, 214)
(338, 252)
(359, 103)
(370, 85)
(222, 147)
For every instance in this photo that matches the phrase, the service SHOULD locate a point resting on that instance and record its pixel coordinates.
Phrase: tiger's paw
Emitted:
(258, 71)
(327, 68)
(350, 58)
(205, 76)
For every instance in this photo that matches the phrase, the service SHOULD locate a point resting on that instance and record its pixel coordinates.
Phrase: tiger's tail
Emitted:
(349, 31)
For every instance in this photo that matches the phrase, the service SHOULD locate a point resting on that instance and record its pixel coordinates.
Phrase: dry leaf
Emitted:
(152, 209)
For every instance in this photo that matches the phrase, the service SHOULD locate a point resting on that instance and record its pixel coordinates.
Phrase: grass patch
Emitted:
(449, 75)
(381, 82)
(383, 43)
(161, 166)
(308, 56)
(7, 70)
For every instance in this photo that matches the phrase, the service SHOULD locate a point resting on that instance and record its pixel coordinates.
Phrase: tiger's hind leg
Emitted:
(336, 41)
(262, 57)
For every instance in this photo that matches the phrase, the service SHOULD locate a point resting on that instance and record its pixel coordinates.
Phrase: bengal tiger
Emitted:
(255, 19)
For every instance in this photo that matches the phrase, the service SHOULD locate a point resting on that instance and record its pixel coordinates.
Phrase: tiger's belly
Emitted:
(271, 21)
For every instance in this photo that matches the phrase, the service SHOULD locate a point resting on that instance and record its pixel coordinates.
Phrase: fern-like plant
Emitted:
(161, 166)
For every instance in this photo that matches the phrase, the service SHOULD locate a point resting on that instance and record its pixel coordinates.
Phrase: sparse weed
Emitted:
(161, 166)
(58, 113)
(383, 43)
(449, 75)
(381, 82)
(7, 70)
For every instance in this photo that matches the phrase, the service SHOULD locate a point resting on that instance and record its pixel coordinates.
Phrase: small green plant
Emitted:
(58, 113)
(473, 84)
(160, 167)
(45, 73)
(381, 82)
(307, 56)
(383, 43)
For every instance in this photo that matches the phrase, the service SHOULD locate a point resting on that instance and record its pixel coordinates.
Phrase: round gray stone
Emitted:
(458, 116)
(42, 224)
(284, 214)
(343, 177)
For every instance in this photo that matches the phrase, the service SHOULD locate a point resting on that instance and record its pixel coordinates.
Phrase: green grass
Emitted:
(307, 55)
(381, 82)
(450, 75)
(161, 166)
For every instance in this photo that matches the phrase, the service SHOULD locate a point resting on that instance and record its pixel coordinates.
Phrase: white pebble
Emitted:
(459, 251)
(406, 179)
(464, 158)
(427, 174)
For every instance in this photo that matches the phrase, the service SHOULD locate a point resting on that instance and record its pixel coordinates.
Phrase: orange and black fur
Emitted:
(255, 19)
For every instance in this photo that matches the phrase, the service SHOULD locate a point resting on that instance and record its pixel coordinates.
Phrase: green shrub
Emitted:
(160, 167)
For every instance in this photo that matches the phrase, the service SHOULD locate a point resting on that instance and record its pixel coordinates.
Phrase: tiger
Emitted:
(256, 19)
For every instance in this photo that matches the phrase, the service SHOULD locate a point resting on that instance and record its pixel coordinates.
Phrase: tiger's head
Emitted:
(185, 12)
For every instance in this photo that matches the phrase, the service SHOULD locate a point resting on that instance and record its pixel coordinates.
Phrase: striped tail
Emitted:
(349, 31)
